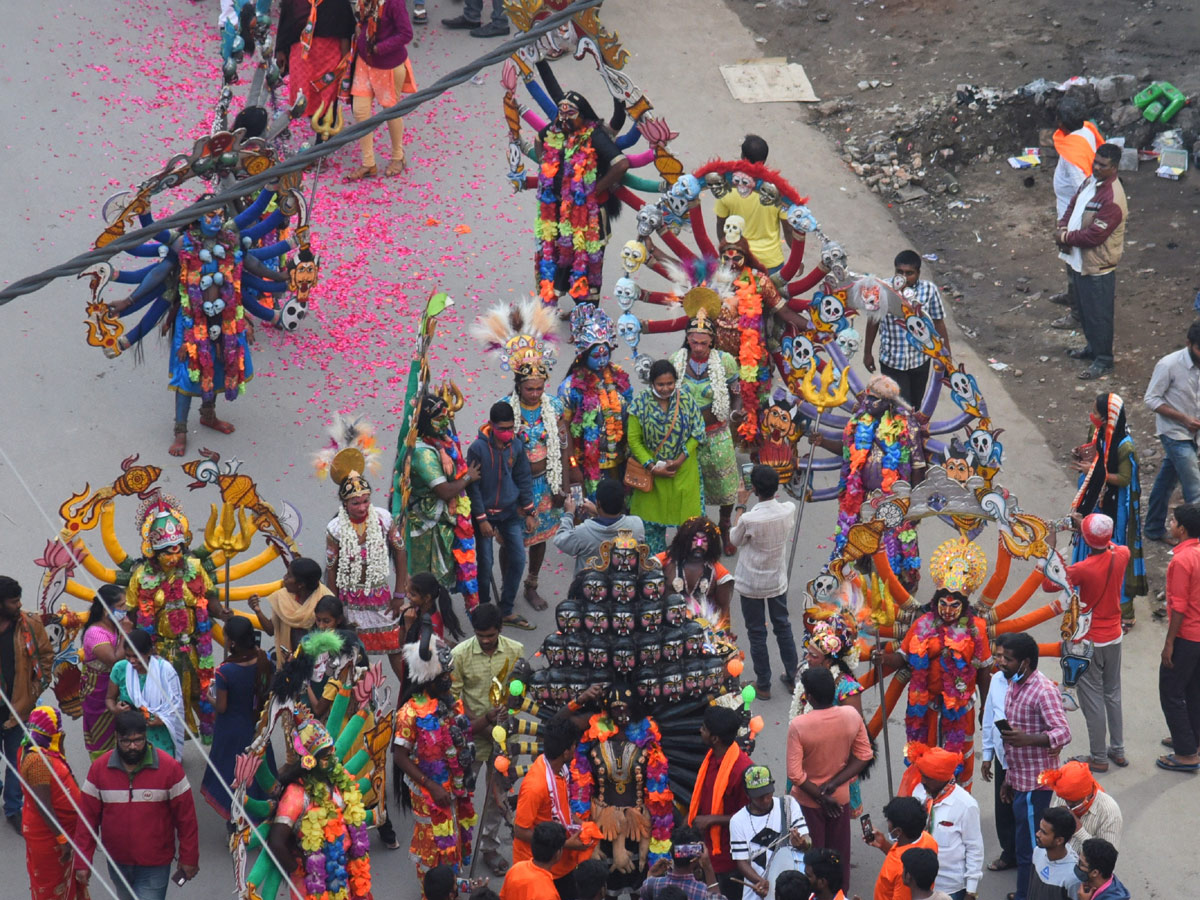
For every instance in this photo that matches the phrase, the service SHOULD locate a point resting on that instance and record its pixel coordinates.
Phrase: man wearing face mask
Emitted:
(1036, 732)
(501, 506)
(1096, 871)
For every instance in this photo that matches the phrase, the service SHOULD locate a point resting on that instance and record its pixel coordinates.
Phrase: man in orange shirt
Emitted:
(1179, 674)
(544, 797)
(533, 879)
(906, 827)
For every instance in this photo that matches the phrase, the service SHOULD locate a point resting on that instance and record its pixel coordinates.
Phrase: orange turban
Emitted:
(930, 762)
(1073, 782)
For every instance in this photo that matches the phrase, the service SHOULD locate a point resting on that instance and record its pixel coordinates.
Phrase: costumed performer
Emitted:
(519, 333)
(620, 780)
(362, 545)
(171, 597)
(51, 809)
(693, 569)
(438, 534)
(433, 750)
(320, 824)
(1109, 483)
(945, 650)
(580, 164)
(665, 430)
(596, 395)
(710, 378)
(883, 442)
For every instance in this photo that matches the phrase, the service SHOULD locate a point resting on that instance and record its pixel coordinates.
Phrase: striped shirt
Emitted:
(1102, 820)
(896, 348)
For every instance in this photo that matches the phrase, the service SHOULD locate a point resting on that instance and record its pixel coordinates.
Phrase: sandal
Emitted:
(1171, 764)
(363, 172)
(1091, 764)
(1127, 625)
(516, 620)
(420, 16)
(394, 168)
(497, 863)
(1119, 760)
(1001, 864)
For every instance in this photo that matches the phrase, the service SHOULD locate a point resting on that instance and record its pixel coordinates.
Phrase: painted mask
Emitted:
(649, 649)
(596, 618)
(649, 220)
(568, 616)
(743, 183)
(633, 255)
(623, 620)
(650, 615)
(672, 682)
(597, 651)
(626, 292)
(716, 183)
(624, 655)
(576, 651)
(653, 585)
(623, 587)
(595, 587)
(554, 648)
(675, 612)
(673, 645)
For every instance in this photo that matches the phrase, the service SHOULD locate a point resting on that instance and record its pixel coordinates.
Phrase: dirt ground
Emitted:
(891, 77)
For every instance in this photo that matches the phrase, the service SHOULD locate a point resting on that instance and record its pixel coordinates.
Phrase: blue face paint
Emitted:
(598, 357)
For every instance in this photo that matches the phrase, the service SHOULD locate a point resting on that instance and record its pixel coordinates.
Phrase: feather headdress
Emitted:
(521, 332)
(352, 451)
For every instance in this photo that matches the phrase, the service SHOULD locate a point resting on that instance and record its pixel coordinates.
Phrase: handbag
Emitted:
(638, 476)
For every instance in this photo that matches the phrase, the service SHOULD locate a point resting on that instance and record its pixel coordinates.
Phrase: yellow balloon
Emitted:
(499, 735)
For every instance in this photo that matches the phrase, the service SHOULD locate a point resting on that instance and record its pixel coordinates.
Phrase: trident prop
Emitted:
(823, 395)
(222, 533)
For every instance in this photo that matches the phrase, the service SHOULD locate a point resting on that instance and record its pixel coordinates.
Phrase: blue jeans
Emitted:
(1028, 807)
(755, 611)
(1179, 466)
(12, 786)
(511, 532)
(148, 882)
(473, 10)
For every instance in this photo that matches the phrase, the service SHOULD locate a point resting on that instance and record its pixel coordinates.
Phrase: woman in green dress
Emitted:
(664, 432)
(710, 377)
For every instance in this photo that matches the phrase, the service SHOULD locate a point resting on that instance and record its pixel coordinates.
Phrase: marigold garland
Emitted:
(333, 870)
(201, 351)
(753, 367)
(466, 573)
(599, 401)
(953, 646)
(568, 225)
(438, 759)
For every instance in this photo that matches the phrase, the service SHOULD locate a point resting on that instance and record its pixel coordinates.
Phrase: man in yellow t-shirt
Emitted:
(764, 224)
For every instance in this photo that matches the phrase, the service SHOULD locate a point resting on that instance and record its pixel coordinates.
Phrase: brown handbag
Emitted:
(638, 476)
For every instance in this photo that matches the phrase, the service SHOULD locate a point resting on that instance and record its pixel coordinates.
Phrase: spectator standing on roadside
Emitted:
(1075, 142)
(1096, 813)
(1053, 875)
(26, 664)
(763, 224)
(1099, 579)
(900, 358)
(994, 764)
(1037, 731)
(761, 578)
(1099, 862)
(533, 878)
(952, 817)
(1091, 239)
(600, 522)
(1174, 395)
(472, 19)
(1179, 673)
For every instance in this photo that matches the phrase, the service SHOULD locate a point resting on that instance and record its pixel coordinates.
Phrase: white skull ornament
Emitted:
(734, 226)
(633, 254)
(743, 183)
(918, 329)
(626, 291)
(801, 219)
(715, 182)
(801, 357)
(849, 340)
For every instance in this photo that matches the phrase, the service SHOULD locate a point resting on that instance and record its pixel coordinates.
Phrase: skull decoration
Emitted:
(833, 256)
(624, 656)
(716, 183)
(830, 310)
(597, 651)
(652, 584)
(799, 350)
(734, 226)
(649, 649)
(686, 186)
(676, 610)
(576, 651)
(768, 194)
(801, 219)
(630, 330)
(743, 183)
(554, 648)
(693, 638)
(623, 587)
(633, 254)
(649, 220)
(623, 620)
(849, 340)
(960, 384)
(986, 447)
(919, 330)
(641, 367)
(626, 292)
(568, 616)
(823, 586)
(676, 204)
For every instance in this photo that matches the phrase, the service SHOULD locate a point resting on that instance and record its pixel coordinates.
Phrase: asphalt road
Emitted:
(100, 94)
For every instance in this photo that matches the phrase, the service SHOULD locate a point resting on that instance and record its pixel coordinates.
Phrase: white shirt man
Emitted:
(959, 837)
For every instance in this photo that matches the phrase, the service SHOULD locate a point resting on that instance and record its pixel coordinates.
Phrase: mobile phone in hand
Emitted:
(577, 494)
(180, 879)
(1003, 725)
(868, 831)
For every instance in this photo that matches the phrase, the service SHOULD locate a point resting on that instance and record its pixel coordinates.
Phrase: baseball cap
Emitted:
(758, 781)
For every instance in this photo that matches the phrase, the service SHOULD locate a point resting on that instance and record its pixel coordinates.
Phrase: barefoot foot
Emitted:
(211, 421)
(179, 445)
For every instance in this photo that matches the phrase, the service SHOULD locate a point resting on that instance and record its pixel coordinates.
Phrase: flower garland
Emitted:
(553, 440)
(173, 594)
(953, 646)
(716, 380)
(439, 760)
(892, 434)
(333, 871)
(466, 572)
(373, 554)
(752, 354)
(202, 263)
(568, 224)
(601, 402)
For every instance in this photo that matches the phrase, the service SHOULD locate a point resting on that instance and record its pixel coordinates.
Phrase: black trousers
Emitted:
(1179, 694)
(912, 381)
(1006, 824)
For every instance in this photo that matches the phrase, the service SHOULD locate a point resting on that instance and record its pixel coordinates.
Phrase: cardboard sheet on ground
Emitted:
(769, 80)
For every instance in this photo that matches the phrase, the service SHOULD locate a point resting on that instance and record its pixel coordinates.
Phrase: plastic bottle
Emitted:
(1152, 112)
(1148, 94)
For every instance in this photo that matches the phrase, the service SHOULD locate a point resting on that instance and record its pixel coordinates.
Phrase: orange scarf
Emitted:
(720, 786)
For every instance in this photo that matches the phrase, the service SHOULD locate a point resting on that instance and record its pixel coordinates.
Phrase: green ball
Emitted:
(749, 694)
(516, 687)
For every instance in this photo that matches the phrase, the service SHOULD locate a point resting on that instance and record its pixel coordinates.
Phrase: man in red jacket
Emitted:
(139, 801)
